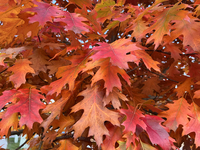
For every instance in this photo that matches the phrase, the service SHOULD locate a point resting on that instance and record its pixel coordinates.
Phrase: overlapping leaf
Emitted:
(28, 106)
(177, 114)
(43, 12)
(94, 115)
(117, 51)
(157, 134)
(20, 69)
(194, 123)
(108, 73)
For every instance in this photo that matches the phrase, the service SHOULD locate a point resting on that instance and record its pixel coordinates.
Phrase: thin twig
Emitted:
(22, 144)
(160, 75)
(63, 137)
(168, 53)
(86, 139)
(3, 70)
(132, 69)
(41, 142)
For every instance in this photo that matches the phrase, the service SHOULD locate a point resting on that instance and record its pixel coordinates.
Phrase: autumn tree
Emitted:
(101, 74)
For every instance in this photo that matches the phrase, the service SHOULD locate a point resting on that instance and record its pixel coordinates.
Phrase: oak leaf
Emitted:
(117, 51)
(157, 133)
(115, 134)
(162, 22)
(68, 74)
(194, 124)
(73, 22)
(148, 61)
(28, 106)
(114, 97)
(39, 60)
(184, 87)
(2, 57)
(133, 118)
(9, 18)
(67, 145)
(20, 69)
(150, 86)
(94, 115)
(175, 51)
(43, 12)
(7, 122)
(188, 28)
(55, 109)
(108, 73)
(177, 114)
(8, 96)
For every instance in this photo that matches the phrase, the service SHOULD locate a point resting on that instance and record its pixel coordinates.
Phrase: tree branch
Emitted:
(22, 144)
(17, 132)
(168, 53)
(86, 139)
(160, 75)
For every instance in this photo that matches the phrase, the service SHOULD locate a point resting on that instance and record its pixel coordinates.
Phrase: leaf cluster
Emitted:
(100, 74)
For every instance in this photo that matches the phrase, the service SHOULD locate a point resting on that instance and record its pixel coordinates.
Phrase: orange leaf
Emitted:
(194, 123)
(108, 73)
(162, 23)
(114, 97)
(177, 114)
(20, 69)
(94, 115)
(184, 87)
(7, 122)
(68, 74)
(55, 109)
(188, 27)
(148, 61)
(151, 85)
(39, 60)
(67, 145)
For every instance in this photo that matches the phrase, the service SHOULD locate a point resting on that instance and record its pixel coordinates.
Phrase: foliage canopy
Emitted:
(100, 74)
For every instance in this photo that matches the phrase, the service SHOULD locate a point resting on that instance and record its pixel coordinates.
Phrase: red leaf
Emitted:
(133, 118)
(117, 51)
(74, 22)
(157, 134)
(115, 134)
(8, 96)
(28, 107)
(43, 12)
